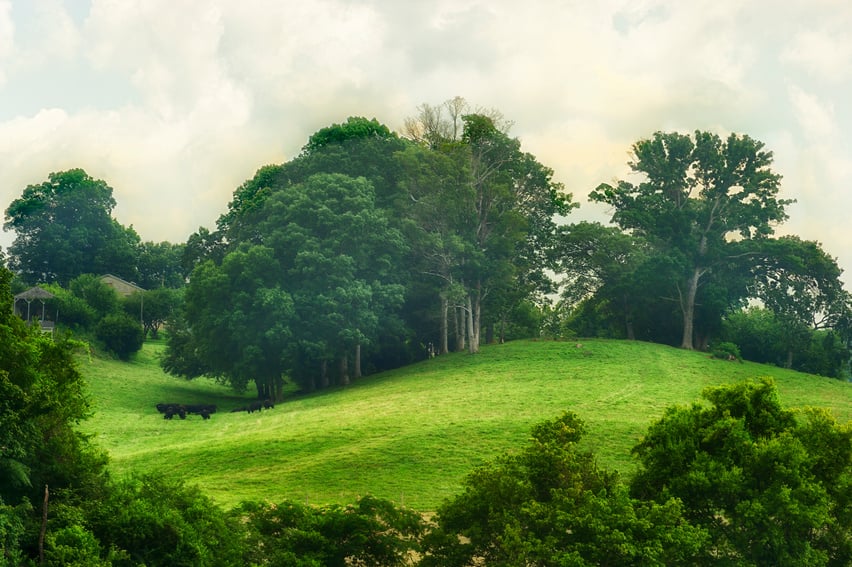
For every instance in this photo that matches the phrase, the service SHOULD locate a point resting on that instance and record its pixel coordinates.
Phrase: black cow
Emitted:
(174, 411)
(255, 406)
(182, 410)
(199, 408)
(267, 403)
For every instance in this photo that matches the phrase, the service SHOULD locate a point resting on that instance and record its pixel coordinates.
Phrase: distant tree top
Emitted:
(355, 127)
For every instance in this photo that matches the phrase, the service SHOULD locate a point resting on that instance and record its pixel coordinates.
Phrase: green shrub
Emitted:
(770, 486)
(12, 527)
(100, 297)
(371, 532)
(120, 335)
(69, 310)
(551, 504)
(158, 522)
(726, 351)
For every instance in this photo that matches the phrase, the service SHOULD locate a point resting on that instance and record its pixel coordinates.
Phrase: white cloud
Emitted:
(815, 118)
(175, 103)
(825, 54)
(7, 38)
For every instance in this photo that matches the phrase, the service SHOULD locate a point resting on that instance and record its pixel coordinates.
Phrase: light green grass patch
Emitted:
(410, 435)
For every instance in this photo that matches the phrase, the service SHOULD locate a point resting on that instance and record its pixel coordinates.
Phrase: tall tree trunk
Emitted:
(43, 526)
(357, 368)
(459, 320)
(688, 307)
(472, 324)
(323, 377)
(278, 394)
(344, 370)
(445, 307)
(628, 319)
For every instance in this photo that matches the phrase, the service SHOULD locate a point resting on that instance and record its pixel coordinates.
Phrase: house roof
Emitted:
(122, 281)
(34, 293)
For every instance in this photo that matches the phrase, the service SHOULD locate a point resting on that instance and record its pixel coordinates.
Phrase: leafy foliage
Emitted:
(157, 522)
(373, 531)
(160, 265)
(95, 293)
(552, 505)
(695, 193)
(121, 334)
(726, 351)
(764, 337)
(41, 403)
(239, 320)
(154, 307)
(767, 485)
(64, 228)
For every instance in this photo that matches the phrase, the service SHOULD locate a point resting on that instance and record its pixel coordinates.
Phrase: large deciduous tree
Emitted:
(698, 199)
(64, 228)
(338, 255)
(160, 265)
(487, 213)
(800, 283)
(602, 264)
(238, 322)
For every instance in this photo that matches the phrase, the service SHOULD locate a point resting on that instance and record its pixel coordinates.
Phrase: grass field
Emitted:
(410, 435)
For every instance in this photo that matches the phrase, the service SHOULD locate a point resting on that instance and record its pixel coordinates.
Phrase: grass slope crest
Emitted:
(410, 435)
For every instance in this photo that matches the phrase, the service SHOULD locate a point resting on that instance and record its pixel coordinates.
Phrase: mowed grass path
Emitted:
(410, 435)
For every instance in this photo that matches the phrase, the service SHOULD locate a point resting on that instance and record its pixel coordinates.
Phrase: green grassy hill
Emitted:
(410, 435)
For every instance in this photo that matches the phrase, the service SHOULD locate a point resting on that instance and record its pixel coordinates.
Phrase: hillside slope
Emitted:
(410, 435)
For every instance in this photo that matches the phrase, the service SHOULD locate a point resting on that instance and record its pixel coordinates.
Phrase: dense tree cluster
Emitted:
(693, 247)
(64, 228)
(365, 250)
(371, 249)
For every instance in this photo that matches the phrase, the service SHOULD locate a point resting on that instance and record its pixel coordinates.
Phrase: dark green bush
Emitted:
(120, 334)
(726, 351)
(371, 532)
(551, 504)
(158, 522)
(769, 485)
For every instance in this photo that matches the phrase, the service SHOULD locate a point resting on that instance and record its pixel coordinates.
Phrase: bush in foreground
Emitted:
(373, 531)
(551, 504)
(770, 486)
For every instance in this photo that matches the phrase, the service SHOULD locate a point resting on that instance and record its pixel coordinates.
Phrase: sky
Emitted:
(175, 103)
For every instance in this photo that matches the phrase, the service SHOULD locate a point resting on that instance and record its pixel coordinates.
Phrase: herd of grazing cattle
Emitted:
(204, 410)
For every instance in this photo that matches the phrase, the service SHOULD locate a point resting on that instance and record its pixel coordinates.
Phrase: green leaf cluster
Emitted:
(551, 504)
(372, 531)
(769, 486)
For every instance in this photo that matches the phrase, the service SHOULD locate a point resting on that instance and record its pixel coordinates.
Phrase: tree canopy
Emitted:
(700, 197)
(770, 486)
(357, 220)
(64, 228)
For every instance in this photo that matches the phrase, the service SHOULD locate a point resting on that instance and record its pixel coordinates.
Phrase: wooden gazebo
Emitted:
(35, 294)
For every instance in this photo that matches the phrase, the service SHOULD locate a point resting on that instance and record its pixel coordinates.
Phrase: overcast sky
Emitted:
(174, 103)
